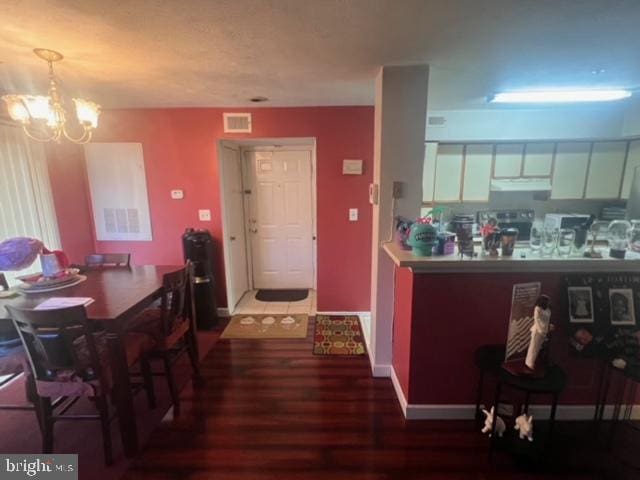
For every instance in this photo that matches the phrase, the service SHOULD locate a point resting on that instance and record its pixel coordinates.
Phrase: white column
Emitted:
(399, 136)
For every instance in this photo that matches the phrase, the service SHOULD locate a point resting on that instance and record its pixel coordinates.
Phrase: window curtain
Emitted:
(26, 201)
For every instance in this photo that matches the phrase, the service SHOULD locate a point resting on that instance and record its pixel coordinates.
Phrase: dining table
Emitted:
(119, 294)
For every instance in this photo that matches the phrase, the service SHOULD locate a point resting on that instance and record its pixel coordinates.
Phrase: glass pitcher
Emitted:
(633, 236)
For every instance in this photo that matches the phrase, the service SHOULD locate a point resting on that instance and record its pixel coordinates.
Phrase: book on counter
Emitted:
(54, 303)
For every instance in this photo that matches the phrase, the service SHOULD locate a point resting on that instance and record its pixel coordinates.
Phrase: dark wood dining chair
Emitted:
(173, 326)
(13, 363)
(70, 360)
(108, 260)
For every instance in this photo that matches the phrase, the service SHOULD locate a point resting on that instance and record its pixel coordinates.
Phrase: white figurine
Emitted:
(488, 423)
(539, 330)
(525, 426)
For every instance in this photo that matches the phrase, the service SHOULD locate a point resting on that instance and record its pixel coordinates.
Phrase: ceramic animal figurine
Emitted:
(488, 423)
(524, 425)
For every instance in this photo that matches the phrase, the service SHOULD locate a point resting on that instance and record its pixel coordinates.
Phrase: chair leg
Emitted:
(46, 417)
(147, 378)
(32, 397)
(192, 350)
(479, 398)
(103, 409)
(175, 397)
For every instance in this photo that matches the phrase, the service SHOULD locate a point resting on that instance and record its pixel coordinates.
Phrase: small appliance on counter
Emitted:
(565, 220)
(521, 219)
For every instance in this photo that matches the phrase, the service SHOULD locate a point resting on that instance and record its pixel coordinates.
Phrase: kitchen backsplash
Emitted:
(530, 200)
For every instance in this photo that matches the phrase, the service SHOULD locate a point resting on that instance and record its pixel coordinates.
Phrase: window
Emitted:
(26, 202)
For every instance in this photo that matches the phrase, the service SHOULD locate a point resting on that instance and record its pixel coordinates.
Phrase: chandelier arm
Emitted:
(53, 137)
(82, 139)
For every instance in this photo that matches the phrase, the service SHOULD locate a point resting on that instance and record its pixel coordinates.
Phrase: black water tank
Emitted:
(197, 246)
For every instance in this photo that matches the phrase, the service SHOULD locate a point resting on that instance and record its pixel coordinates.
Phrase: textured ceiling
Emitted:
(139, 53)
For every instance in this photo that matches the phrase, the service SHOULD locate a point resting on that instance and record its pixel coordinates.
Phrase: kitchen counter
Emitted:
(531, 263)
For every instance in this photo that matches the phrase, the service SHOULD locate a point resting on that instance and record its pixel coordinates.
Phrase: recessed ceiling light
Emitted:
(259, 99)
(559, 96)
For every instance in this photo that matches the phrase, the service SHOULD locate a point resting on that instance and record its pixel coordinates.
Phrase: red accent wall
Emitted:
(452, 315)
(179, 148)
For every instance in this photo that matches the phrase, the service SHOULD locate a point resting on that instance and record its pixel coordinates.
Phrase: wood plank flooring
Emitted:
(270, 409)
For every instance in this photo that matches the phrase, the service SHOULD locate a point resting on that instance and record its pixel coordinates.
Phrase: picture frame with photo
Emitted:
(580, 305)
(621, 307)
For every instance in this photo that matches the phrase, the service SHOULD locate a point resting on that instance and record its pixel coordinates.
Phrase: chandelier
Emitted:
(44, 118)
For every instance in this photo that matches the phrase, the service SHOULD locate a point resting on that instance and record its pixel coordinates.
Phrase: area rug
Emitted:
(338, 335)
(282, 295)
(267, 326)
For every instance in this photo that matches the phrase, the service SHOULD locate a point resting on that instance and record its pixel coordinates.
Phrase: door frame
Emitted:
(307, 144)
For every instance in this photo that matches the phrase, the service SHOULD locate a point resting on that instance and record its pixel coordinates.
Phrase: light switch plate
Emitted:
(204, 215)
(177, 194)
(353, 214)
(352, 167)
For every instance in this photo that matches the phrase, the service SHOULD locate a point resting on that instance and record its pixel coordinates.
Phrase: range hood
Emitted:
(521, 185)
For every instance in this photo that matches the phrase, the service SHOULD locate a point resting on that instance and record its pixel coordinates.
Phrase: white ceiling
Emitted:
(135, 53)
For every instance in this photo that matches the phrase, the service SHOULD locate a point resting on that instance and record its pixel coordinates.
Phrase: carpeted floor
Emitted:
(20, 432)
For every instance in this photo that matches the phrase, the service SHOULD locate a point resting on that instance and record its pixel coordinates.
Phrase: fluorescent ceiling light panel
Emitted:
(559, 96)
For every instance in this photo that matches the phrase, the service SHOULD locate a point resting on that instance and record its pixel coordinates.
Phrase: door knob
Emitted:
(232, 238)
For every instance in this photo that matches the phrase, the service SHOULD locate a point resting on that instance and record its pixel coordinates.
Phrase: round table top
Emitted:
(554, 380)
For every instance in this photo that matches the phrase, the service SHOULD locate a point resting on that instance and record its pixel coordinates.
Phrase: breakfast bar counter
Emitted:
(447, 307)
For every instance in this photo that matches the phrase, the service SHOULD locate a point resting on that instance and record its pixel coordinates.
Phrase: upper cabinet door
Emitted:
(508, 162)
(570, 170)
(633, 161)
(477, 172)
(448, 173)
(538, 160)
(605, 170)
(429, 171)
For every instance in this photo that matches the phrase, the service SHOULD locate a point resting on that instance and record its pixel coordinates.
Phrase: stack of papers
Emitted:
(63, 302)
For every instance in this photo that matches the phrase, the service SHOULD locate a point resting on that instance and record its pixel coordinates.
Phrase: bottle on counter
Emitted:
(618, 238)
(508, 239)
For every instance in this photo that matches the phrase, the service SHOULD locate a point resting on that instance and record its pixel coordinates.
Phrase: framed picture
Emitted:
(580, 305)
(621, 306)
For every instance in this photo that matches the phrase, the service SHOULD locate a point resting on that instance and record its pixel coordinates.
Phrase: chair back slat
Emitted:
(108, 260)
(4, 285)
(174, 306)
(50, 338)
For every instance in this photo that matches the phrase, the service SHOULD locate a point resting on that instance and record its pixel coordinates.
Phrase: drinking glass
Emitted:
(549, 241)
(566, 237)
(535, 238)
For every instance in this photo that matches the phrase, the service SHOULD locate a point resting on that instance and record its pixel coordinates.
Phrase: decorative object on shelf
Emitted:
(44, 118)
(19, 253)
(490, 237)
(618, 238)
(446, 244)
(634, 236)
(401, 235)
(422, 237)
(596, 229)
(508, 241)
(488, 422)
(463, 225)
(524, 426)
(539, 330)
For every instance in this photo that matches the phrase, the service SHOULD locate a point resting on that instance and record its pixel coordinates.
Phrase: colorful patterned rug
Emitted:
(266, 326)
(338, 335)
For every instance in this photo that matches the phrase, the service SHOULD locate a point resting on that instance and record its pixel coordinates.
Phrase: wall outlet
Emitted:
(353, 214)
(397, 189)
(204, 215)
(177, 194)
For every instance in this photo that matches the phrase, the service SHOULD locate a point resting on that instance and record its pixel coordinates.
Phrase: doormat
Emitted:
(266, 326)
(282, 295)
(338, 335)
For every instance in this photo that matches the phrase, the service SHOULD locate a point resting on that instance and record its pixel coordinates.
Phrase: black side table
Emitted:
(488, 359)
(552, 383)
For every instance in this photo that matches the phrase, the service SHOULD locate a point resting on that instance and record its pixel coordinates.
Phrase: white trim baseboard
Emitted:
(382, 371)
(467, 411)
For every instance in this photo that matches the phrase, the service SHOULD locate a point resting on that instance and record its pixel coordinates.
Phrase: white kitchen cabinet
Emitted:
(570, 170)
(633, 161)
(538, 160)
(605, 170)
(429, 171)
(477, 173)
(508, 163)
(448, 173)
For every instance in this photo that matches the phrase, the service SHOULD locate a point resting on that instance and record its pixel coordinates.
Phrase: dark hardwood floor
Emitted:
(272, 410)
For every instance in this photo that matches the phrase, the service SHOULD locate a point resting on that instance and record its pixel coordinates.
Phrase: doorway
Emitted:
(268, 201)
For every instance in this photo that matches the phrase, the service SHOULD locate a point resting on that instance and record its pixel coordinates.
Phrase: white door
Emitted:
(280, 219)
(234, 243)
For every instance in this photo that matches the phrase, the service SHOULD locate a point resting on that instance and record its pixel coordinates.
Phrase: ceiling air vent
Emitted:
(437, 121)
(237, 122)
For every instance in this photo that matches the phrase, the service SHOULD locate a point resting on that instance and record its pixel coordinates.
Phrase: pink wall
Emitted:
(180, 152)
(452, 315)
